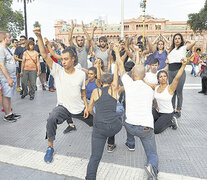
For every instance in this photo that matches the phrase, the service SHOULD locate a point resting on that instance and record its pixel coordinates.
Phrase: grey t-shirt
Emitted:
(102, 55)
(7, 58)
(82, 56)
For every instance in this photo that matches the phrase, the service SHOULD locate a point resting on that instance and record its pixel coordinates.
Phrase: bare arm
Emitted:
(43, 51)
(38, 66)
(172, 87)
(119, 62)
(88, 43)
(23, 64)
(191, 45)
(52, 52)
(70, 35)
(153, 86)
(92, 101)
(16, 58)
(83, 96)
(4, 71)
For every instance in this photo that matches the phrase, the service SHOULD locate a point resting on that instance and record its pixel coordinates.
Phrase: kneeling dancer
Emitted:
(71, 95)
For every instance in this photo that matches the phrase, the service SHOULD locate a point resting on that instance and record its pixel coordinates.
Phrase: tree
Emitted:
(198, 21)
(36, 24)
(11, 21)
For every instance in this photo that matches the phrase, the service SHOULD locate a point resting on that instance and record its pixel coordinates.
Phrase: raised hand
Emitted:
(46, 40)
(94, 28)
(37, 31)
(72, 25)
(184, 61)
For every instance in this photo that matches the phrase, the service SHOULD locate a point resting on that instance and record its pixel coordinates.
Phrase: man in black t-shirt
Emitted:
(18, 55)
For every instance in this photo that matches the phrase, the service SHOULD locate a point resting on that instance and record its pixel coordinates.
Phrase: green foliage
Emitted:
(36, 24)
(198, 21)
(11, 21)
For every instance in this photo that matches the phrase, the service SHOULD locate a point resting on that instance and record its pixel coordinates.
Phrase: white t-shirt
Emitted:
(164, 101)
(139, 98)
(176, 55)
(151, 78)
(69, 88)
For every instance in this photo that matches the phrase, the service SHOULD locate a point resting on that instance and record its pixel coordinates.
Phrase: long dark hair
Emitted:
(173, 43)
(163, 44)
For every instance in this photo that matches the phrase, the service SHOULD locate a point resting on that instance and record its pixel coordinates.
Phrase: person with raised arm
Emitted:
(71, 93)
(106, 120)
(177, 52)
(164, 114)
(81, 49)
(139, 120)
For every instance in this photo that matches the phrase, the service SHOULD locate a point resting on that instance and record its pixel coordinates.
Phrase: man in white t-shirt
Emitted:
(139, 119)
(151, 76)
(71, 94)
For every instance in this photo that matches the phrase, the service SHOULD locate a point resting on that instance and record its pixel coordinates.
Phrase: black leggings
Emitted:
(161, 121)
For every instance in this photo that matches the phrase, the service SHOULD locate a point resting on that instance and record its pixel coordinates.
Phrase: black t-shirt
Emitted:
(19, 51)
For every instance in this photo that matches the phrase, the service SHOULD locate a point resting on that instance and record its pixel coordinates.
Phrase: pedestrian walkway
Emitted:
(182, 153)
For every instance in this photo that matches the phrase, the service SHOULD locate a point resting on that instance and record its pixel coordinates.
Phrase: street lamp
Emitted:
(25, 13)
(122, 19)
(143, 6)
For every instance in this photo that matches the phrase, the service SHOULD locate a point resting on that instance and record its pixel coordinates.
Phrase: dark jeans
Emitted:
(204, 84)
(179, 90)
(30, 76)
(147, 138)
(100, 133)
(161, 121)
(60, 114)
(51, 82)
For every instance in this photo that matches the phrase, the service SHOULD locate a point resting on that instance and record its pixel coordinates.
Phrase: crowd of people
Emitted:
(106, 85)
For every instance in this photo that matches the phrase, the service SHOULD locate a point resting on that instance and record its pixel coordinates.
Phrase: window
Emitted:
(126, 27)
(158, 27)
(191, 36)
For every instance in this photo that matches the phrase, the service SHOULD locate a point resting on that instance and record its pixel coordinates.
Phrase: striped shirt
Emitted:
(82, 56)
(102, 55)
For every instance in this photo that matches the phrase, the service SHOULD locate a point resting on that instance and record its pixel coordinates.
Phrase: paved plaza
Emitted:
(182, 152)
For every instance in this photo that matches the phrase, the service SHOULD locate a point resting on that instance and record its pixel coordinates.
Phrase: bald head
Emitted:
(138, 71)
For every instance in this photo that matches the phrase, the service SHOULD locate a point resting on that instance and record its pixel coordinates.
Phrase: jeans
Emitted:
(30, 76)
(161, 121)
(101, 131)
(193, 69)
(179, 90)
(147, 138)
(60, 114)
(51, 82)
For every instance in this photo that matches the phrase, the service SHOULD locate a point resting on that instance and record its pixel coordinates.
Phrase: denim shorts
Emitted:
(6, 89)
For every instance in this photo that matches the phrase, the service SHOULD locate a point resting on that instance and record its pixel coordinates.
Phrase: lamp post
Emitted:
(122, 19)
(143, 6)
(25, 14)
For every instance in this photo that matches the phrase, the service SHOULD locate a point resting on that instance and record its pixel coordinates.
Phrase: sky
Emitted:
(48, 11)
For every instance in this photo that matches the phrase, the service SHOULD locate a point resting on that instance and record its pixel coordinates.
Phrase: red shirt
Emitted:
(54, 59)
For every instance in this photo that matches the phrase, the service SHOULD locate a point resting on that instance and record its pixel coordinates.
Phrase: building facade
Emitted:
(134, 28)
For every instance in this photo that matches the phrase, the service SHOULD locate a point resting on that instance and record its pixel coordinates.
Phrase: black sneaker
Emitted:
(43, 88)
(68, 129)
(130, 147)
(10, 118)
(16, 116)
(111, 148)
(31, 97)
(150, 172)
(175, 123)
(177, 114)
(23, 96)
(201, 92)
(21, 92)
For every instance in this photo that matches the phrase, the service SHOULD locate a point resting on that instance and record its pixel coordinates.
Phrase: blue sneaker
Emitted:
(49, 155)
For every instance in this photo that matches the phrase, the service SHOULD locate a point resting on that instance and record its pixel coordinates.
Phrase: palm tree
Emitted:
(25, 13)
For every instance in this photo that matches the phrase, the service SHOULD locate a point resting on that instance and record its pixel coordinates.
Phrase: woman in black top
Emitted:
(106, 122)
